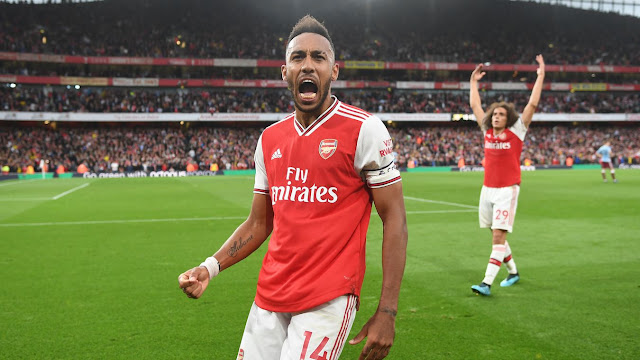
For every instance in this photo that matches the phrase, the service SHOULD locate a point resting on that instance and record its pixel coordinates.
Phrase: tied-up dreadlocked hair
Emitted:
(309, 24)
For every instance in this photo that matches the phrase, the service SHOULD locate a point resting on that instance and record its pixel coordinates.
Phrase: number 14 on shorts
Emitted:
(315, 355)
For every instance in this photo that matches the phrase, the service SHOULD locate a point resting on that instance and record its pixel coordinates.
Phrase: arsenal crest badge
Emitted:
(502, 136)
(327, 148)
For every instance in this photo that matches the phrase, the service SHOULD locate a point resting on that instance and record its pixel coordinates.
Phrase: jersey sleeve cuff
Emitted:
(261, 191)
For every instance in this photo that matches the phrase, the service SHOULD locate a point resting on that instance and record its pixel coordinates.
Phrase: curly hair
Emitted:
(309, 24)
(512, 114)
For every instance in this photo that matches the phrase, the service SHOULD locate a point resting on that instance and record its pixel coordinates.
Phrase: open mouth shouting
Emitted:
(307, 90)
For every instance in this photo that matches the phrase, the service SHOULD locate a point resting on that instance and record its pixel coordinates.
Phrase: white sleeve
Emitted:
(519, 129)
(374, 155)
(261, 185)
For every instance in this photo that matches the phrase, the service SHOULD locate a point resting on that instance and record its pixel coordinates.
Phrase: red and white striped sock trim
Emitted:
(495, 262)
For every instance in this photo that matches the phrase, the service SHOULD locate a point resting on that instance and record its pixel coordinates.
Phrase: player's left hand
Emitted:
(380, 331)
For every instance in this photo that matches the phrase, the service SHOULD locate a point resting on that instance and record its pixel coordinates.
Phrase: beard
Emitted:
(323, 92)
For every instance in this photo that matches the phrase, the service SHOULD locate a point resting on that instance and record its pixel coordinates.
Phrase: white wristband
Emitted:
(212, 265)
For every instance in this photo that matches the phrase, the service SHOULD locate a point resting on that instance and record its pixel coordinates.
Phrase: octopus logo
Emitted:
(327, 148)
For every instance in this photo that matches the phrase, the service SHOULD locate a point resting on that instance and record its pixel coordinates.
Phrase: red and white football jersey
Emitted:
(319, 181)
(502, 155)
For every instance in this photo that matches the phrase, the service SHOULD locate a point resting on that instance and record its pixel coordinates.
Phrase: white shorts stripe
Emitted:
(344, 328)
(336, 344)
(512, 208)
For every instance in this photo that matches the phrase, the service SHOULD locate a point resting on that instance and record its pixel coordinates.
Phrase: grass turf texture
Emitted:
(93, 274)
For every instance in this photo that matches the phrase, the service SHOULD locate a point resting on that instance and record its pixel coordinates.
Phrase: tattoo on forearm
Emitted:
(237, 245)
(389, 311)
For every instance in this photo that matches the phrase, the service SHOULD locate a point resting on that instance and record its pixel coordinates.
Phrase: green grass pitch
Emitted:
(93, 273)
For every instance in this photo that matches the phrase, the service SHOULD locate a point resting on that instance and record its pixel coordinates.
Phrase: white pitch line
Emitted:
(441, 202)
(16, 182)
(70, 191)
(25, 199)
(98, 222)
(439, 211)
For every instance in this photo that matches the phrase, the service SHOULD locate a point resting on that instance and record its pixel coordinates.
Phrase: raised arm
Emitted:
(474, 95)
(530, 109)
(245, 240)
(380, 329)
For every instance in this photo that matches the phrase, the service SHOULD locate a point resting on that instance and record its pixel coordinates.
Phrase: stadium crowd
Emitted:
(545, 144)
(163, 147)
(61, 99)
(273, 73)
(430, 33)
(145, 100)
(107, 149)
(426, 33)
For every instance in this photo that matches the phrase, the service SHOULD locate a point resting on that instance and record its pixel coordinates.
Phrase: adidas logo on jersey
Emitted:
(276, 154)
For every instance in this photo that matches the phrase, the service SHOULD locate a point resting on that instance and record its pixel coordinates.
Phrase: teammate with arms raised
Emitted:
(604, 154)
(504, 133)
(317, 172)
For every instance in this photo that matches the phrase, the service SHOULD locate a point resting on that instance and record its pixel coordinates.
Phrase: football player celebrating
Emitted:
(318, 171)
(504, 132)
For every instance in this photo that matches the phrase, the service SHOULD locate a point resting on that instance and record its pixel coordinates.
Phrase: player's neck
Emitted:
(307, 118)
(497, 131)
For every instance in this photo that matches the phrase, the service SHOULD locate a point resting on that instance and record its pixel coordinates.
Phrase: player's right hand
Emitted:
(540, 61)
(477, 74)
(194, 282)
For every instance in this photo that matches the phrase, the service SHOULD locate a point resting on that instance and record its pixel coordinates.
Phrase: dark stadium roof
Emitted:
(48, 1)
(623, 7)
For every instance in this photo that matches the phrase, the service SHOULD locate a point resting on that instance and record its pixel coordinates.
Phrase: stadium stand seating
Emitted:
(140, 56)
